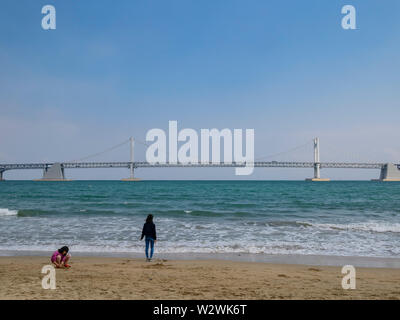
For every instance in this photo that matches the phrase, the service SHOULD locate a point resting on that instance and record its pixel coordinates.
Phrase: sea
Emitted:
(337, 218)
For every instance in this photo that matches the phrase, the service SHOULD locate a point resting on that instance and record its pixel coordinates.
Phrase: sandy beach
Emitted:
(122, 278)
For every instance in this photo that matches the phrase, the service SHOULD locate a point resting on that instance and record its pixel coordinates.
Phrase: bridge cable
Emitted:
(285, 152)
(143, 143)
(102, 152)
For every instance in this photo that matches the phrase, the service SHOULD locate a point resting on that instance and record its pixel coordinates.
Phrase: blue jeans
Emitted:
(149, 243)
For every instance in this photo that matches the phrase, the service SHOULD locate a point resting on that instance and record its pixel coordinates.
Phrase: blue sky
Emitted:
(114, 69)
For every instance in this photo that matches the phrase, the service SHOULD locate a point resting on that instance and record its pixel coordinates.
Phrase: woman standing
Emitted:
(149, 231)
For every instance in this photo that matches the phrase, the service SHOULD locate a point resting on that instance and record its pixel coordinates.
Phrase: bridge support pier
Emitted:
(132, 176)
(1, 176)
(317, 164)
(389, 172)
(53, 173)
(131, 166)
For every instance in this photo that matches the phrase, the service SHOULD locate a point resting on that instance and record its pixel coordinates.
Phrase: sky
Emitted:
(116, 69)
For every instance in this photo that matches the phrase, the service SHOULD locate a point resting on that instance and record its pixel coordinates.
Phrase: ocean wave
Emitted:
(205, 213)
(240, 205)
(278, 223)
(379, 227)
(370, 226)
(45, 213)
(170, 248)
(208, 213)
(33, 213)
(8, 212)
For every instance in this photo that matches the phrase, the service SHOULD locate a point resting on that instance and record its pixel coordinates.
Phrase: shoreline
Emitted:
(123, 278)
(285, 259)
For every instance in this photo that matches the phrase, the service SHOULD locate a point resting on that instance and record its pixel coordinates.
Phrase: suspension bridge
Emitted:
(55, 171)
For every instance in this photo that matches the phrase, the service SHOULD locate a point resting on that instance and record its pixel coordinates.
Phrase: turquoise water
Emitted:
(282, 217)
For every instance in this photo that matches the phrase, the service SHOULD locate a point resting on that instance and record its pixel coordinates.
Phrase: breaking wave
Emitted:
(8, 212)
(380, 227)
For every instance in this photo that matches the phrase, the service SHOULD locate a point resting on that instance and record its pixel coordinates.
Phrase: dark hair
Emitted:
(61, 250)
(149, 218)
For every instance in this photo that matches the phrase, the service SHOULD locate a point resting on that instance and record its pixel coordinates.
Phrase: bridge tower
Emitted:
(132, 162)
(317, 164)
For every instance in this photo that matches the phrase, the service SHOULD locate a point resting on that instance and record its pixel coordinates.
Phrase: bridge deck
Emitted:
(270, 164)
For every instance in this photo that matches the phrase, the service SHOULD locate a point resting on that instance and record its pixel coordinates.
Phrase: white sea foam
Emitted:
(369, 226)
(8, 212)
(291, 243)
(200, 235)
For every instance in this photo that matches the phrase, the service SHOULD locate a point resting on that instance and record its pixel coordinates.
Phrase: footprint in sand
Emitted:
(314, 269)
